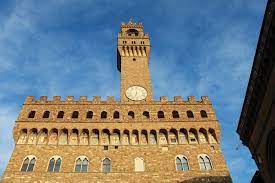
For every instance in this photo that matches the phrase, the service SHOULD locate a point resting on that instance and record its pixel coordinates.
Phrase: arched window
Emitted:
(203, 114)
(181, 163)
(60, 114)
(212, 136)
(125, 137)
(193, 136)
(81, 164)
(162, 136)
(63, 138)
(54, 164)
(139, 164)
(135, 137)
(116, 115)
(95, 137)
(32, 139)
(73, 140)
(153, 137)
(103, 114)
(89, 115)
(106, 165)
(175, 114)
(115, 137)
(105, 140)
(31, 114)
(46, 114)
(28, 164)
(75, 114)
(203, 136)
(160, 114)
(173, 136)
(144, 137)
(190, 114)
(205, 163)
(146, 114)
(84, 137)
(131, 114)
(183, 136)
(23, 136)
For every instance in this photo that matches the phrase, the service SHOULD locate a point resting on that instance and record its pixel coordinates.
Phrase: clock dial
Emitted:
(136, 93)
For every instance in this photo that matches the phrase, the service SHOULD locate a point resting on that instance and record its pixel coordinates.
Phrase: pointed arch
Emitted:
(28, 164)
(106, 165)
(81, 164)
(205, 162)
(54, 164)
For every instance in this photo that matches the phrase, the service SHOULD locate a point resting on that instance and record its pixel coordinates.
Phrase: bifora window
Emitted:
(181, 163)
(205, 163)
(28, 164)
(54, 164)
(81, 164)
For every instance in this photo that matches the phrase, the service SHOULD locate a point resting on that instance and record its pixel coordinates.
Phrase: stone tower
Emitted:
(135, 139)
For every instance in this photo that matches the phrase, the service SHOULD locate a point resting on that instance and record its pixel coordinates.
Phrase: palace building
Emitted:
(136, 139)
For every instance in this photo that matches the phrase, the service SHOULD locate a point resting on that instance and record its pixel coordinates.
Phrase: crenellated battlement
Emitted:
(111, 100)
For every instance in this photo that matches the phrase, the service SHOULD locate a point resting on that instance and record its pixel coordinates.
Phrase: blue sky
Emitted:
(68, 47)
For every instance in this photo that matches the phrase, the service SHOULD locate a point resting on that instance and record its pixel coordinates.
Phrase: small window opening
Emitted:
(131, 114)
(46, 114)
(89, 115)
(160, 114)
(190, 114)
(103, 114)
(60, 114)
(146, 114)
(75, 114)
(116, 115)
(31, 114)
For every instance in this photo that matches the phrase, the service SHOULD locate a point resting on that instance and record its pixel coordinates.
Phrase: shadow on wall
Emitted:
(209, 179)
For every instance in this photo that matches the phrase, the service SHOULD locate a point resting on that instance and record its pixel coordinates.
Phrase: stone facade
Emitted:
(140, 137)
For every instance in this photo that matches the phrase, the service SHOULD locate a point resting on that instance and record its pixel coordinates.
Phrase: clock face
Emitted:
(136, 93)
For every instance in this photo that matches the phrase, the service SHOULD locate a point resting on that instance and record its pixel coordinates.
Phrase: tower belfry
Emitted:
(133, 53)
